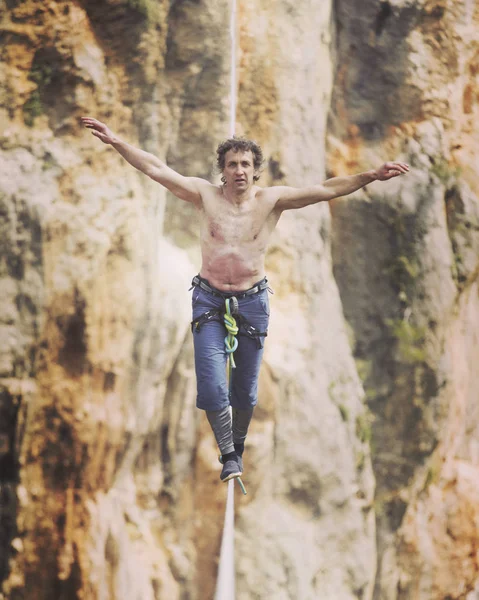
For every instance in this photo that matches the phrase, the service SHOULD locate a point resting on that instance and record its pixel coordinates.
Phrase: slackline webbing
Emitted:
(225, 582)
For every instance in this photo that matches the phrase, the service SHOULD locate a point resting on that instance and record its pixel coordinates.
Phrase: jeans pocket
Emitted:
(196, 294)
(264, 303)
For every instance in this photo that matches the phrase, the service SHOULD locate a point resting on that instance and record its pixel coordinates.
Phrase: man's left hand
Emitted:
(391, 169)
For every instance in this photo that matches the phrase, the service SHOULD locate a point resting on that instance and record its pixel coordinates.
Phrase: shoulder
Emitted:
(266, 193)
(203, 184)
(211, 194)
(206, 189)
(270, 195)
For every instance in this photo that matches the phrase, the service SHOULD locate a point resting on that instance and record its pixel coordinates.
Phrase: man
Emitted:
(236, 220)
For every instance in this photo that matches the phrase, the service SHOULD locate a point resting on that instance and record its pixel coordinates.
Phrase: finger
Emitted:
(392, 173)
(91, 123)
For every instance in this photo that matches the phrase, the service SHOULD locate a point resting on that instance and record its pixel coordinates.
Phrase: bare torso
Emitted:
(234, 236)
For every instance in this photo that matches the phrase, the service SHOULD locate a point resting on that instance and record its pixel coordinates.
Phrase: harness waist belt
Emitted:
(217, 314)
(204, 285)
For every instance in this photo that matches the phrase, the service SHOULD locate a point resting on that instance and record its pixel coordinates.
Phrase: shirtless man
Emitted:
(236, 220)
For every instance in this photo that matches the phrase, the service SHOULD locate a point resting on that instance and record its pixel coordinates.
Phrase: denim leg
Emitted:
(210, 356)
(248, 355)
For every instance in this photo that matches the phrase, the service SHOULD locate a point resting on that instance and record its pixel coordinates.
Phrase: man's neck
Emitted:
(235, 196)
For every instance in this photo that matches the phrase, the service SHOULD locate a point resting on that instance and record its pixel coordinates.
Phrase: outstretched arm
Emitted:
(185, 188)
(337, 186)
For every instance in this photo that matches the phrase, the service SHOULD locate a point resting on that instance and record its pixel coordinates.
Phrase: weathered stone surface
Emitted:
(316, 488)
(96, 313)
(406, 261)
(108, 474)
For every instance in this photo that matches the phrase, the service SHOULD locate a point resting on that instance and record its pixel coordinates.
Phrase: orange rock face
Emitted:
(362, 461)
(410, 254)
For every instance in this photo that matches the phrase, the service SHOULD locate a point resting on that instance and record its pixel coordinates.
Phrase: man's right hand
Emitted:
(185, 188)
(99, 130)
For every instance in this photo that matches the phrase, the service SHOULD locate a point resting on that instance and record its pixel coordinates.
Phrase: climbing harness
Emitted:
(219, 314)
(245, 328)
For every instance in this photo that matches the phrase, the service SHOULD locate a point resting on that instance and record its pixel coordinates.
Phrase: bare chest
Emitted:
(234, 226)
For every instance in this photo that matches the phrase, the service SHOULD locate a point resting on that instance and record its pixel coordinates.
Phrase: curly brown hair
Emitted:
(240, 144)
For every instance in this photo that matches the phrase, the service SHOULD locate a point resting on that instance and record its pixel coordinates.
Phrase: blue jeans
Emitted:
(210, 354)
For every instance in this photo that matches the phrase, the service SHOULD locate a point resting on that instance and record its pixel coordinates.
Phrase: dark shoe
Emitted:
(239, 449)
(231, 469)
(239, 456)
(240, 463)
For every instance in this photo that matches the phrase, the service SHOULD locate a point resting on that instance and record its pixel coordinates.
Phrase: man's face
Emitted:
(239, 169)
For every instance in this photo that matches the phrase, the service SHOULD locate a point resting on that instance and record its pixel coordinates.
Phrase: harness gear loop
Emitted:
(218, 314)
(231, 342)
(235, 305)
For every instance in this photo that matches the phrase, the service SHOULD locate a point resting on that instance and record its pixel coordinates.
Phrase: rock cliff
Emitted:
(406, 263)
(362, 463)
